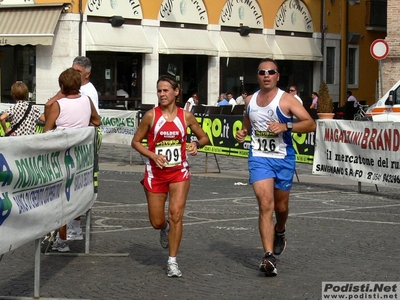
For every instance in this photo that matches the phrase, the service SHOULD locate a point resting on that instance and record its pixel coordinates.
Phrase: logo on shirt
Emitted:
(169, 134)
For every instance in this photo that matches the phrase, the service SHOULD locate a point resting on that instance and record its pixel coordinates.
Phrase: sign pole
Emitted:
(379, 50)
(380, 78)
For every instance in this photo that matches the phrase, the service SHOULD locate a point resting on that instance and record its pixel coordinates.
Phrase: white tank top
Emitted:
(74, 113)
(263, 142)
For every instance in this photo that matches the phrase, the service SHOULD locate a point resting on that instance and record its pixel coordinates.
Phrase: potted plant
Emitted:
(325, 104)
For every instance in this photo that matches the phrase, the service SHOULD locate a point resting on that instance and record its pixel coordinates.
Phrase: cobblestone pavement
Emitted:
(334, 233)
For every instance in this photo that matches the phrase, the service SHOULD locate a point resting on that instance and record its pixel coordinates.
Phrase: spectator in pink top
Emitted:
(72, 110)
(314, 103)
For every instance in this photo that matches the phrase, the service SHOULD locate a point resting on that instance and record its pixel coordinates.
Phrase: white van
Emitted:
(387, 108)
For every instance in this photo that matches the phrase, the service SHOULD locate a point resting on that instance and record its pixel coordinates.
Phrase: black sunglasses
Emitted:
(269, 71)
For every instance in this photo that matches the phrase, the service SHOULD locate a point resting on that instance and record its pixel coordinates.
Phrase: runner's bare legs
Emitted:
(178, 192)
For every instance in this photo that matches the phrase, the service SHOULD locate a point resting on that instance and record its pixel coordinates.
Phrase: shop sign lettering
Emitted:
(96, 5)
(230, 6)
(288, 12)
(167, 9)
(93, 5)
(4, 41)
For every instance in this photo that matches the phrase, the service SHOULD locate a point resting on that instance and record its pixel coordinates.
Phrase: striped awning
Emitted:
(186, 41)
(127, 38)
(296, 48)
(33, 25)
(251, 46)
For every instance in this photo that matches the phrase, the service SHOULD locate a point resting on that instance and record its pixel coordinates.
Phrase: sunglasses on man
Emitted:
(269, 72)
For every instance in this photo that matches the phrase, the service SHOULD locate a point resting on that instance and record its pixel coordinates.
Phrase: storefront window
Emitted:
(238, 74)
(17, 63)
(116, 75)
(191, 73)
(241, 73)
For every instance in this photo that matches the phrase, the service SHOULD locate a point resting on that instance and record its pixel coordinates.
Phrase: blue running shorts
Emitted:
(265, 167)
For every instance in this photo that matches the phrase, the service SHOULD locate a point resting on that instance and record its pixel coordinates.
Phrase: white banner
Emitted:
(46, 180)
(363, 151)
(118, 126)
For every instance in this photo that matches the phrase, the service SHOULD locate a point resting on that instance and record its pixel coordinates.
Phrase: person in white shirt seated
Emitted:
(230, 99)
(350, 98)
(121, 92)
(192, 101)
(241, 99)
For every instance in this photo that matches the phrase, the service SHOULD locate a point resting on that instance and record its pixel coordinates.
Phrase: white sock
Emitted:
(172, 259)
(76, 223)
(167, 228)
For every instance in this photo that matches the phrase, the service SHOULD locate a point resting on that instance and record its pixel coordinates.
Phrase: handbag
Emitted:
(15, 127)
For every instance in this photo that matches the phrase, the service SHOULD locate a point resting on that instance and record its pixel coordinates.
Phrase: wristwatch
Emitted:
(197, 144)
(289, 126)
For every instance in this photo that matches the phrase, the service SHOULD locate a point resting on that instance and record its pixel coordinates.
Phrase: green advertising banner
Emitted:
(221, 130)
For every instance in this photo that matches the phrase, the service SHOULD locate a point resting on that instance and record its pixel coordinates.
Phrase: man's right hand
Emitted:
(241, 135)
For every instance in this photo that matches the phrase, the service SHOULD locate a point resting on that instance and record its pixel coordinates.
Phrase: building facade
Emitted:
(364, 22)
(390, 69)
(210, 46)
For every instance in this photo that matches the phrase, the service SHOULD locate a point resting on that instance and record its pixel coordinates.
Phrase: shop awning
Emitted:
(186, 41)
(33, 25)
(251, 46)
(127, 38)
(296, 48)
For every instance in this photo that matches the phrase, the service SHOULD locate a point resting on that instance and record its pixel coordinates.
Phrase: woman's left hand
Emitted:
(192, 149)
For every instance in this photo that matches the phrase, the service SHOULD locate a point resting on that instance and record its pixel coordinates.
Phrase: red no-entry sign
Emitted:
(379, 49)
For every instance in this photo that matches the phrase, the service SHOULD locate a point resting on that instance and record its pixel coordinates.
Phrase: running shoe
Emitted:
(268, 265)
(60, 246)
(164, 237)
(173, 270)
(279, 242)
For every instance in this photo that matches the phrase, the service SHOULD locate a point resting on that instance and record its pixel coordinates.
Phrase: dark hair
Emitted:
(314, 93)
(83, 61)
(70, 82)
(19, 91)
(170, 79)
(270, 60)
(349, 93)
